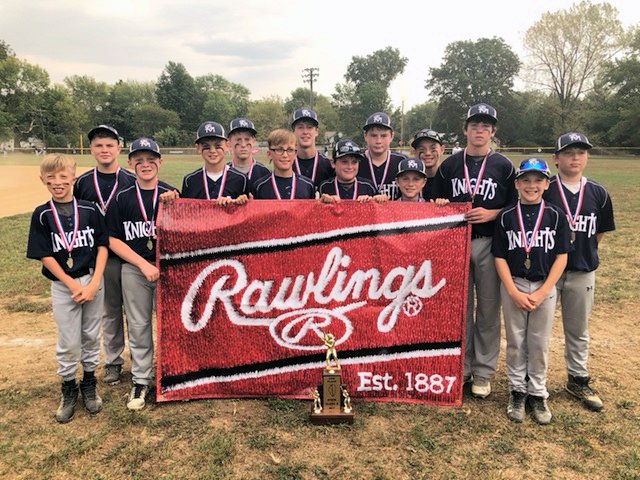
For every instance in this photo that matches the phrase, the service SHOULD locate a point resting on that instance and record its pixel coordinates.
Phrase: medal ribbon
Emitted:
(222, 183)
(143, 210)
(277, 192)
(315, 167)
(373, 175)
(572, 218)
(76, 223)
(253, 163)
(104, 205)
(528, 246)
(355, 188)
(467, 179)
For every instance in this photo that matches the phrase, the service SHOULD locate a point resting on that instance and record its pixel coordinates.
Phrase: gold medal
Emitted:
(150, 244)
(70, 262)
(527, 263)
(573, 236)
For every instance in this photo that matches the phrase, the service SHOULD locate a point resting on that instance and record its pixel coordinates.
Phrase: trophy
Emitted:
(331, 400)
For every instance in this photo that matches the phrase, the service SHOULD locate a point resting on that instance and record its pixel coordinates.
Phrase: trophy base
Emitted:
(330, 418)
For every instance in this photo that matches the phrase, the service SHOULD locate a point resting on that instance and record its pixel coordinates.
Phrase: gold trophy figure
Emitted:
(331, 401)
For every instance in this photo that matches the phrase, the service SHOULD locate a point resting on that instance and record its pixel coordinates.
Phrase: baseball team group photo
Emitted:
(208, 286)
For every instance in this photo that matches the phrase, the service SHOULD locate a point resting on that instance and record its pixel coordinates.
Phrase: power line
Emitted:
(308, 76)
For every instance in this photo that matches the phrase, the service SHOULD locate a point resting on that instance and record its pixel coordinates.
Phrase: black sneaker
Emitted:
(92, 401)
(112, 374)
(516, 407)
(68, 401)
(137, 397)
(579, 388)
(539, 410)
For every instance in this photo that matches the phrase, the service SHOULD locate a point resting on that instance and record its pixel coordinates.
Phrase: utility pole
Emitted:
(308, 76)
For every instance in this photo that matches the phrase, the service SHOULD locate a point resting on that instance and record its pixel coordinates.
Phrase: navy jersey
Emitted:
(45, 241)
(317, 168)
(264, 188)
(595, 216)
(496, 190)
(85, 186)
(383, 177)
(233, 182)
(428, 189)
(126, 222)
(551, 239)
(255, 172)
(348, 191)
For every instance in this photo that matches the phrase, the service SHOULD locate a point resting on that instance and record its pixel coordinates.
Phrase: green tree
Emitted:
(59, 118)
(124, 97)
(419, 117)
(568, 49)
(233, 97)
(267, 114)
(176, 90)
(471, 72)
(150, 118)
(382, 66)
(91, 96)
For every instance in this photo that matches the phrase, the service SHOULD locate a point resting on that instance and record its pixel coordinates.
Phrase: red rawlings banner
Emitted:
(246, 292)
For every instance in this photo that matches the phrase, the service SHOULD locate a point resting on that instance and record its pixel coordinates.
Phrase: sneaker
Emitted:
(112, 374)
(539, 410)
(92, 401)
(137, 397)
(481, 387)
(67, 402)
(579, 388)
(515, 409)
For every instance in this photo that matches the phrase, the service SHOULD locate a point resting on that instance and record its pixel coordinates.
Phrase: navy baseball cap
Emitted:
(210, 129)
(572, 139)
(533, 165)
(304, 114)
(411, 165)
(378, 119)
(144, 144)
(345, 147)
(109, 130)
(428, 134)
(483, 111)
(242, 123)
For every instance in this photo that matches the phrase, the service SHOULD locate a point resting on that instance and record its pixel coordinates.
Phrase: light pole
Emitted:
(308, 76)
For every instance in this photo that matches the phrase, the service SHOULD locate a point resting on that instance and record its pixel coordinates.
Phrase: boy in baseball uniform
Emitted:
(309, 162)
(427, 147)
(530, 247)
(242, 139)
(70, 238)
(588, 208)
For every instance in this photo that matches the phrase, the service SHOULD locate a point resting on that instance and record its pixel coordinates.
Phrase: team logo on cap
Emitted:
(209, 128)
(378, 119)
(412, 164)
(145, 143)
(575, 137)
(243, 123)
(483, 109)
(306, 113)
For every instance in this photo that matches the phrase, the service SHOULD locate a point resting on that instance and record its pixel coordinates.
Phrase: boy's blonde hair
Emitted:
(54, 162)
(281, 137)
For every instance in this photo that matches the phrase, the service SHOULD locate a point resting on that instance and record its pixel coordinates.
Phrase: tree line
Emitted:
(582, 72)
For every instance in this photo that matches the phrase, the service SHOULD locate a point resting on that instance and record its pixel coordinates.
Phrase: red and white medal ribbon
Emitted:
(373, 174)
(529, 245)
(76, 223)
(143, 210)
(253, 163)
(222, 183)
(315, 167)
(355, 188)
(467, 178)
(103, 204)
(572, 217)
(277, 192)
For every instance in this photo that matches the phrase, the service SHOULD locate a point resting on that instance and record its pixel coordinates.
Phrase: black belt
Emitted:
(477, 235)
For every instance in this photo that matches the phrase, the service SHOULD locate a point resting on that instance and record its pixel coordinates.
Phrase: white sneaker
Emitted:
(481, 387)
(137, 397)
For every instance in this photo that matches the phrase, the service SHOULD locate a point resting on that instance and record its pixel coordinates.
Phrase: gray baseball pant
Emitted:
(112, 318)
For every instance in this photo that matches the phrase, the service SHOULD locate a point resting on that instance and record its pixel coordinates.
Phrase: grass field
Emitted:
(271, 438)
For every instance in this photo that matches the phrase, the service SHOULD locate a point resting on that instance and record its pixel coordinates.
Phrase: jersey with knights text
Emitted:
(348, 191)
(546, 240)
(491, 180)
(101, 188)
(132, 218)
(281, 188)
(232, 183)
(383, 177)
(317, 168)
(82, 234)
(590, 213)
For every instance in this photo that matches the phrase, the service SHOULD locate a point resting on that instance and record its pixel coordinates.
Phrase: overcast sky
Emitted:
(263, 45)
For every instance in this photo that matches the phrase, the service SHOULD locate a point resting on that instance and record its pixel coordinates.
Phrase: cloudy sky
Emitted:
(263, 45)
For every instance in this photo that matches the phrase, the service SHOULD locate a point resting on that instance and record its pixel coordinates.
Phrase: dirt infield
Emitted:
(21, 190)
